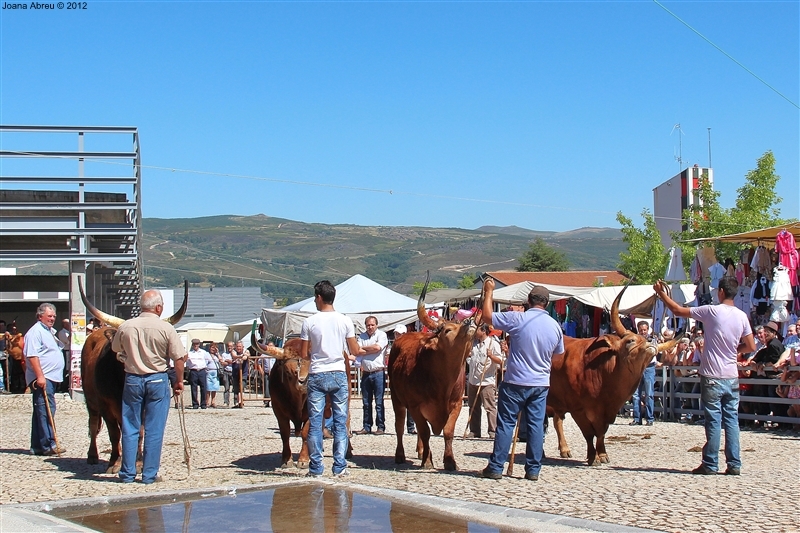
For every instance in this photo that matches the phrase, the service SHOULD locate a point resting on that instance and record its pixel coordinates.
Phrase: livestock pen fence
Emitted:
(679, 396)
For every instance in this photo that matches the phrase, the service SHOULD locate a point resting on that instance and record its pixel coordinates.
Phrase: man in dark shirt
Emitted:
(768, 355)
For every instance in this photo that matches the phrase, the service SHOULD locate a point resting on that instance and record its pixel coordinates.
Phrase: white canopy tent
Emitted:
(205, 331)
(638, 299)
(357, 297)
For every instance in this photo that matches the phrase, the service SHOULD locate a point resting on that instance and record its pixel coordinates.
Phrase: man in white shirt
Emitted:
(484, 362)
(197, 363)
(324, 338)
(374, 345)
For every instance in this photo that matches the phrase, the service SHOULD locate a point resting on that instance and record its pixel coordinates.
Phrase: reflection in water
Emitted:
(305, 508)
(314, 509)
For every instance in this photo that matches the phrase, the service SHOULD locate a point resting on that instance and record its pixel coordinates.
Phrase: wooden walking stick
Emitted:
(50, 419)
(510, 470)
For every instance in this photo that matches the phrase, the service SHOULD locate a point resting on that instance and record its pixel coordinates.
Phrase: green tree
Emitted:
(541, 257)
(754, 209)
(432, 286)
(646, 258)
(467, 281)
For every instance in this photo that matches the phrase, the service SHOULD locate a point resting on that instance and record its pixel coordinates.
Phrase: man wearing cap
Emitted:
(769, 355)
(535, 337)
(144, 345)
(728, 334)
(197, 362)
(374, 345)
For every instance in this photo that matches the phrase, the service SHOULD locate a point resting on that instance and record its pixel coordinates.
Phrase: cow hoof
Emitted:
(604, 458)
(567, 454)
(427, 466)
(596, 462)
(450, 465)
(302, 464)
(288, 464)
(399, 459)
(113, 469)
(92, 461)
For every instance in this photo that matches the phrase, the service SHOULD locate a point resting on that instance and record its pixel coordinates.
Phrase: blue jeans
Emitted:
(372, 386)
(644, 394)
(42, 435)
(145, 401)
(321, 385)
(721, 407)
(532, 402)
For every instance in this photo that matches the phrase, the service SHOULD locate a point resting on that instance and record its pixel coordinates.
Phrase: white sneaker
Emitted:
(343, 473)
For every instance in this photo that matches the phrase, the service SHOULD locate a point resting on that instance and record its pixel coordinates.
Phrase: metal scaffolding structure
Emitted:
(53, 211)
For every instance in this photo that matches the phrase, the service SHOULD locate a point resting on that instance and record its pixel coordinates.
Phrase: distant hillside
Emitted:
(287, 257)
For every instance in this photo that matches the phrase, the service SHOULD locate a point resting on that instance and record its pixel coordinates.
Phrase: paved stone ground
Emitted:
(648, 483)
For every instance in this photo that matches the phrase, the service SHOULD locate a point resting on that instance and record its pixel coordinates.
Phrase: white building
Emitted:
(673, 196)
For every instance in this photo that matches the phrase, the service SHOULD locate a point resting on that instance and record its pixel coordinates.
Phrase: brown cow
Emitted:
(426, 372)
(594, 378)
(103, 378)
(288, 395)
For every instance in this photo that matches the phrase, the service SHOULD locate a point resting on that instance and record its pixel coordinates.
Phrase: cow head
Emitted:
(446, 335)
(117, 322)
(633, 348)
(290, 354)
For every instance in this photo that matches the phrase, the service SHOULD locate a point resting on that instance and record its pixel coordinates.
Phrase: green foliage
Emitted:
(541, 257)
(467, 281)
(432, 286)
(646, 259)
(754, 209)
(388, 267)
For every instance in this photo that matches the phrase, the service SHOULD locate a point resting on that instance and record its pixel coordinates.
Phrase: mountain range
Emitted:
(286, 257)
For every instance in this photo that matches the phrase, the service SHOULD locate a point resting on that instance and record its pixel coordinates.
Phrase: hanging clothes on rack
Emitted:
(759, 294)
(761, 261)
(716, 272)
(787, 255)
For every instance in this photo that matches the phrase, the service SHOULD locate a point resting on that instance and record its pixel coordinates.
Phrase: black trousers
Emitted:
(197, 378)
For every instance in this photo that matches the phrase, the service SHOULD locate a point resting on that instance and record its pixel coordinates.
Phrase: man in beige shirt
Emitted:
(144, 345)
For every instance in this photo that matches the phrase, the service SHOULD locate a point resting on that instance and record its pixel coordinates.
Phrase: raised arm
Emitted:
(677, 309)
(488, 303)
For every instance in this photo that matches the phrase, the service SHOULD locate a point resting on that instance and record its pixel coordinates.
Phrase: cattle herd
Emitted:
(591, 381)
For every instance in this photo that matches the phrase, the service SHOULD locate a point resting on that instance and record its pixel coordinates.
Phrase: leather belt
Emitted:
(368, 372)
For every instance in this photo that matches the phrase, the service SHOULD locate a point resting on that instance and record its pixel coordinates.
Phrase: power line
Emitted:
(725, 53)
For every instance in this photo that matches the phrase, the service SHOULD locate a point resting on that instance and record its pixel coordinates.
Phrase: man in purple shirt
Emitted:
(727, 334)
(534, 338)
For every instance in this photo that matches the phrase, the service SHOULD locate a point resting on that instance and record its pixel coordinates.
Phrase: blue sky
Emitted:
(544, 115)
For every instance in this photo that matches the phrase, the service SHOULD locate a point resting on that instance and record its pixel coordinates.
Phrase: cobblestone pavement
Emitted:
(648, 483)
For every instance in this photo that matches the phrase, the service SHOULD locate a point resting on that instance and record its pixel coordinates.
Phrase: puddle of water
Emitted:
(300, 508)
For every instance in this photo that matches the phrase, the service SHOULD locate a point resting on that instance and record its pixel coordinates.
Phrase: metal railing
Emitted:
(672, 402)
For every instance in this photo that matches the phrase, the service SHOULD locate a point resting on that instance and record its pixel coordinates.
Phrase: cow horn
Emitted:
(668, 345)
(98, 314)
(272, 351)
(174, 319)
(424, 319)
(616, 323)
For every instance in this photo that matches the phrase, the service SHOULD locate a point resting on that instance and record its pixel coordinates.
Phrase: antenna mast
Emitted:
(679, 158)
(709, 147)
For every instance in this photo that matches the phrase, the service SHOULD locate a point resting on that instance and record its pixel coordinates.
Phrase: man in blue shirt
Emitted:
(534, 338)
(43, 373)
